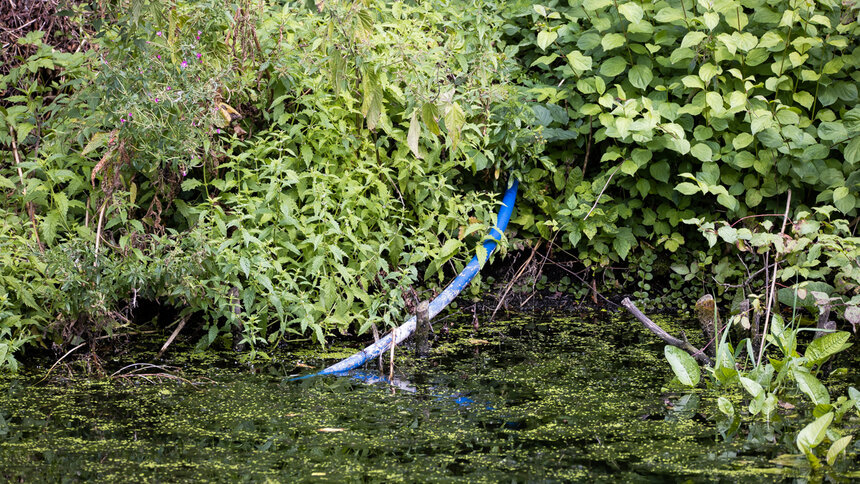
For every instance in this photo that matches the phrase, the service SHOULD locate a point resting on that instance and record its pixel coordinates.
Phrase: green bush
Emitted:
(684, 109)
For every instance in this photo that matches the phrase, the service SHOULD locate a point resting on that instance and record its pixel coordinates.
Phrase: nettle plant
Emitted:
(659, 112)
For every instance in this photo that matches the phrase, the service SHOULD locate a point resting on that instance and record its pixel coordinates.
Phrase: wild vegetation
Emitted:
(299, 170)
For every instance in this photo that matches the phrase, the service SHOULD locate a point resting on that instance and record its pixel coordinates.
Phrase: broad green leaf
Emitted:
(832, 131)
(852, 151)
(813, 388)
(429, 114)
(741, 141)
(687, 188)
(578, 61)
(693, 38)
(660, 171)
(711, 19)
(612, 41)
(613, 66)
(668, 15)
(854, 394)
(632, 12)
(836, 448)
(545, 38)
(814, 433)
(846, 203)
(640, 76)
(725, 406)
(592, 5)
(707, 72)
(684, 366)
(702, 152)
(629, 167)
(826, 346)
(804, 99)
(623, 241)
(751, 386)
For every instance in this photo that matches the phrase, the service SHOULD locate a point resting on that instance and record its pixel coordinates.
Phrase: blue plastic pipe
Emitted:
(402, 332)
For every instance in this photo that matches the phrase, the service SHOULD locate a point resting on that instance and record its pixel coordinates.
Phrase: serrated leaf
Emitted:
(62, 203)
(190, 184)
(429, 113)
(97, 141)
(455, 118)
(449, 248)
(265, 282)
(683, 365)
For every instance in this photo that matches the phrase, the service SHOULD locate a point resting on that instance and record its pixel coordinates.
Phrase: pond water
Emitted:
(535, 399)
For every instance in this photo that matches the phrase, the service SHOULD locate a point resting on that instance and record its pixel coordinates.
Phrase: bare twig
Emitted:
(172, 336)
(772, 288)
(662, 334)
(601, 192)
(514, 280)
(99, 231)
(31, 210)
(58, 362)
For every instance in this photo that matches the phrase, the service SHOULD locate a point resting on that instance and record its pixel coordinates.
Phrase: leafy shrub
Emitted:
(675, 108)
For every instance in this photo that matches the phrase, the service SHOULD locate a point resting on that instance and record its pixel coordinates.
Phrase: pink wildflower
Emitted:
(184, 64)
(158, 33)
(122, 120)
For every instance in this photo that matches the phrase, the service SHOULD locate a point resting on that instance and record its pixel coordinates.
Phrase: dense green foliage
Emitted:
(145, 184)
(298, 170)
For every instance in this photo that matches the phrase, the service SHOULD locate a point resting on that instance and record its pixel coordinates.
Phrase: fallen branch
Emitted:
(696, 353)
(172, 337)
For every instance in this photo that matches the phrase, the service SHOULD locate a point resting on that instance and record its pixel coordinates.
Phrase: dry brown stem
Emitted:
(662, 334)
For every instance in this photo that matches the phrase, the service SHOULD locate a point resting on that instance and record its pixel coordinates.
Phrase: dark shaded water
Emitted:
(553, 400)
